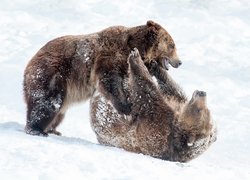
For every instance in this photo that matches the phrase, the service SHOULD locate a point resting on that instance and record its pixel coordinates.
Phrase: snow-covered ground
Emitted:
(213, 40)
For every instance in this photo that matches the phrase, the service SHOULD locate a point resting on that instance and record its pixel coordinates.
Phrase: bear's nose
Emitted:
(175, 62)
(180, 63)
(202, 93)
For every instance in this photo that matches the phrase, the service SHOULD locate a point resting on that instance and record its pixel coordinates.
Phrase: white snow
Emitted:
(213, 40)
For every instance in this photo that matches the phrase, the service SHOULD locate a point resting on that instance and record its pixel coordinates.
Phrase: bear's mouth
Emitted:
(165, 63)
(175, 63)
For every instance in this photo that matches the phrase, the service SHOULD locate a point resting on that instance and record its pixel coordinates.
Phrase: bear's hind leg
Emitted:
(44, 98)
(40, 115)
(57, 120)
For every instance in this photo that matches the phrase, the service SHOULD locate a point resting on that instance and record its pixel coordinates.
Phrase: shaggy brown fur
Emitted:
(69, 69)
(162, 124)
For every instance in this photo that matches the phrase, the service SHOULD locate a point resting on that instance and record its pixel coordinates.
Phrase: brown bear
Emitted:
(69, 69)
(162, 124)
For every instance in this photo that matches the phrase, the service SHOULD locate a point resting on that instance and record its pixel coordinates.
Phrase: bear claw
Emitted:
(134, 56)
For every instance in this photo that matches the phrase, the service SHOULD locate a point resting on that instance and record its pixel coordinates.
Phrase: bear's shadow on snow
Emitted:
(71, 140)
(12, 126)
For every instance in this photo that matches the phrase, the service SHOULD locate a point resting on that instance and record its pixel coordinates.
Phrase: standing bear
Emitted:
(69, 69)
(162, 124)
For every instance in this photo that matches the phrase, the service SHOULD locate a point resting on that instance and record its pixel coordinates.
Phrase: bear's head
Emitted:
(195, 118)
(154, 43)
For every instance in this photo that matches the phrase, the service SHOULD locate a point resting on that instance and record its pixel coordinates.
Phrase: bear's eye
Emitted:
(198, 110)
(171, 46)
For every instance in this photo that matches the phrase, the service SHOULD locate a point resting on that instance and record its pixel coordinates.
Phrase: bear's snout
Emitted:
(175, 63)
(198, 93)
(201, 93)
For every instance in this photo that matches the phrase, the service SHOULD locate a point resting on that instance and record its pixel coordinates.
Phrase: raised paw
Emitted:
(154, 64)
(135, 53)
(153, 67)
(135, 58)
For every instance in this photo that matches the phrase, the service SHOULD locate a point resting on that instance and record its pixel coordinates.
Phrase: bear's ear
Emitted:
(151, 23)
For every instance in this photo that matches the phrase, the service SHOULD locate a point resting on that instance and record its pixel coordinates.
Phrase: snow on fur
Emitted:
(212, 38)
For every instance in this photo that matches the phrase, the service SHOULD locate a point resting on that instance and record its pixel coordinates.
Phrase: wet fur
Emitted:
(162, 124)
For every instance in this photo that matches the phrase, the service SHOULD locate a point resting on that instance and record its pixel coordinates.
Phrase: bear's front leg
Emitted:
(111, 86)
(140, 79)
(166, 84)
(145, 95)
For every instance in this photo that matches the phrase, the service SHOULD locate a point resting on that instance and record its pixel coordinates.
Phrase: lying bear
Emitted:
(69, 69)
(162, 124)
